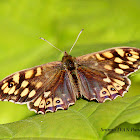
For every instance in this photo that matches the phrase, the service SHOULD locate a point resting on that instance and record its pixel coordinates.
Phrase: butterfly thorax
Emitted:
(68, 62)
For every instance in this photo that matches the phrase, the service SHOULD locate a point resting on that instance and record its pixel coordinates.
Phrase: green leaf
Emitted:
(89, 120)
(107, 24)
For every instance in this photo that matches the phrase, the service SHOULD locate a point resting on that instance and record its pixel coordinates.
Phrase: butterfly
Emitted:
(57, 85)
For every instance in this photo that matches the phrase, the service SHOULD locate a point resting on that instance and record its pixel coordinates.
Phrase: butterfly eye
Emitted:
(48, 103)
(57, 101)
(128, 54)
(113, 89)
(104, 92)
(11, 84)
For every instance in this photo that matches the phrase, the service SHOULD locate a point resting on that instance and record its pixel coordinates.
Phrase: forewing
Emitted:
(121, 60)
(23, 86)
(103, 75)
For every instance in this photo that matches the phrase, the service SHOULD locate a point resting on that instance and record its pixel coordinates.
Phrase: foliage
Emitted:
(107, 24)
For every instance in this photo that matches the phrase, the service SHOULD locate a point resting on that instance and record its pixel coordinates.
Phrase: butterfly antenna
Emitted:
(50, 44)
(76, 40)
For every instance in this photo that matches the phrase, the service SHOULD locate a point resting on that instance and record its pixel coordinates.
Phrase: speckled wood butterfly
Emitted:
(56, 85)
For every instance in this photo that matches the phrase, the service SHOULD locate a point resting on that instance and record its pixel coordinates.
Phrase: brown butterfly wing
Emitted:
(44, 88)
(25, 85)
(103, 75)
(60, 96)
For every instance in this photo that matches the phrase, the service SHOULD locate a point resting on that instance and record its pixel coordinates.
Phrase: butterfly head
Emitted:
(66, 54)
(68, 61)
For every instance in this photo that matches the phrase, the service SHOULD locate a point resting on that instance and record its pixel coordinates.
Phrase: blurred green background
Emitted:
(106, 23)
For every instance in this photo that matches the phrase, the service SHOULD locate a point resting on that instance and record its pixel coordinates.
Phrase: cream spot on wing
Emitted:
(131, 59)
(38, 71)
(32, 93)
(120, 52)
(4, 86)
(99, 57)
(86, 57)
(135, 65)
(42, 104)
(107, 80)
(16, 92)
(117, 86)
(4, 81)
(24, 92)
(129, 62)
(39, 84)
(28, 74)
(16, 78)
(119, 71)
(134, 53)
(112, 90)
(57, 101)
(24, 83)
(37, 102)
(118, 60)
(122, 66)
(46, 94)
(104, 92)
(6, 90)
(12, 90)
(119, 82)
(108, 54)
(108, 67)
(68, 99)
(93, 56)
(135, 56)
